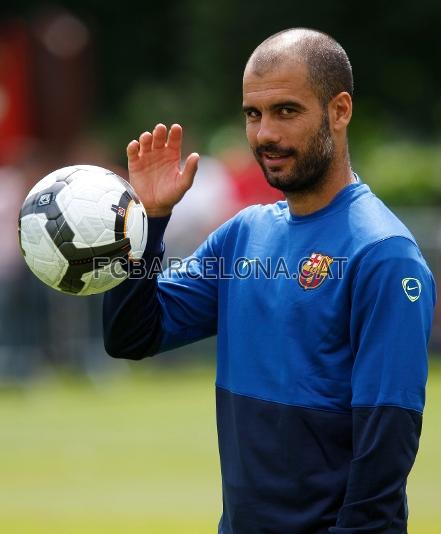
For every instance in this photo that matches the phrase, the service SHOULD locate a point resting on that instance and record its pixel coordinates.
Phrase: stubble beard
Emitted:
(310, 170)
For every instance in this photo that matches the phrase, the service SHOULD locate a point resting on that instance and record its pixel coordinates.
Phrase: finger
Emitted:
(174, 140)
(132, 149)
(145, 140)
(159, 136)
(190, 168)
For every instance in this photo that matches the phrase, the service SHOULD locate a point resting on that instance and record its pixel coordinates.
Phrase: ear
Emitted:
(340, 111)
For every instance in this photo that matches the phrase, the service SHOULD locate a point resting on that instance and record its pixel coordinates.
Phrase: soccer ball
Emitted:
(78, 228)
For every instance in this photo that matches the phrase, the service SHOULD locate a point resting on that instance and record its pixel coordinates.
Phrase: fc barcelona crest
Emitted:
(314, 271)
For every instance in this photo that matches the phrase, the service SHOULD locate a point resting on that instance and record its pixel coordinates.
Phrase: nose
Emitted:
(268, 132)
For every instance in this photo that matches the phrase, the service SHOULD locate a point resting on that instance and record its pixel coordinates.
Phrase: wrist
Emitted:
(158, 212)
(156, 230)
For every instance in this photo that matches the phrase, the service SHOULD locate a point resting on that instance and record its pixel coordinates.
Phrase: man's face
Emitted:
(287, 128)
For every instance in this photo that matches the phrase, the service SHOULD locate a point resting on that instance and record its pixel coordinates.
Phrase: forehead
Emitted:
(286, 81)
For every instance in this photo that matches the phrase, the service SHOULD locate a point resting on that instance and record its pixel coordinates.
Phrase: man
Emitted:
(320, 376)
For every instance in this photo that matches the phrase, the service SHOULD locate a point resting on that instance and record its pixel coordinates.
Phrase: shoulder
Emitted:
(377, 229)
(384, 242)
(255, 215)
(395, 266)
(249, 220)
(394, 251)
(379, 243)
(262, 212)
(370, 221)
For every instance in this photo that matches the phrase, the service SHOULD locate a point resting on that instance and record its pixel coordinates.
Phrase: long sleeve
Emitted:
(154, 313)
(131, 311)
(392, 306)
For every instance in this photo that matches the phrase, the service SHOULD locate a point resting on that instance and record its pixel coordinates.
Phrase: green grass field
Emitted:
(138, 454)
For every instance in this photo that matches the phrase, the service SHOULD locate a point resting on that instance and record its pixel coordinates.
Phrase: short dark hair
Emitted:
(329, 69)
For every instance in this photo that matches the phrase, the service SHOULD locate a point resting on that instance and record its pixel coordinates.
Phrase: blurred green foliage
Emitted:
(182, 61)
(403, 172)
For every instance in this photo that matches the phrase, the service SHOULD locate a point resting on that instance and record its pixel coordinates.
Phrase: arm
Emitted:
(154, 313)
(131, 312)
(389, 336)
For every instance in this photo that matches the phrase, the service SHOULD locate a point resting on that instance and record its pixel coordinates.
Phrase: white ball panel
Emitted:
(32, 229)
(103, 279)
(84, 220)
(87, 192)
(42, 256)
(136, 229)
(64, 198)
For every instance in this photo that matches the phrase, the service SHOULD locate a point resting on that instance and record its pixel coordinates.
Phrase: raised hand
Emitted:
(155, 169)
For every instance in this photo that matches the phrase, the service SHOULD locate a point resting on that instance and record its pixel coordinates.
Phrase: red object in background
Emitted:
(15, 113)
(251, 186)
(249, 183)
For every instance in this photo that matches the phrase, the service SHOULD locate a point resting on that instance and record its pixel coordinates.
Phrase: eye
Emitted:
(286, 111)
(251, 114)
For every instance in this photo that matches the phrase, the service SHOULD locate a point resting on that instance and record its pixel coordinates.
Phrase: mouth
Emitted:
(274, 159)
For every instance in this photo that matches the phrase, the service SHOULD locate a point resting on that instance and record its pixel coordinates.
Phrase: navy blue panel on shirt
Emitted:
(284, 468)
(385, 444)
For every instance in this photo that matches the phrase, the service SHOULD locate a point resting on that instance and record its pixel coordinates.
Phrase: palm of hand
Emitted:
(154, 169)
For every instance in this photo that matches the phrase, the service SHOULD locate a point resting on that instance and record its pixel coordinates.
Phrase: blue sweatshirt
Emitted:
(323, 322)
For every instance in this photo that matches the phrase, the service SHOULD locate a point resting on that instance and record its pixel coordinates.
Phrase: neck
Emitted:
(338, 176)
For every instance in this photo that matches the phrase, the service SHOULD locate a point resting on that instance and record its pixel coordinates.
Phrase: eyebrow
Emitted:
(279, 105)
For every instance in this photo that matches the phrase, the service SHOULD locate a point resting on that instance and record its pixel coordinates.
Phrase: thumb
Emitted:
(190, 168)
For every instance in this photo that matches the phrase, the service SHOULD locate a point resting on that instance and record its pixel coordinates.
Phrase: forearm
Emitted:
(131, 311)
(385, 445)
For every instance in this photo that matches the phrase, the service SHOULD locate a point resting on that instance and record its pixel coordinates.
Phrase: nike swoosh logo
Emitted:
(410, 288)
(245, 263)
